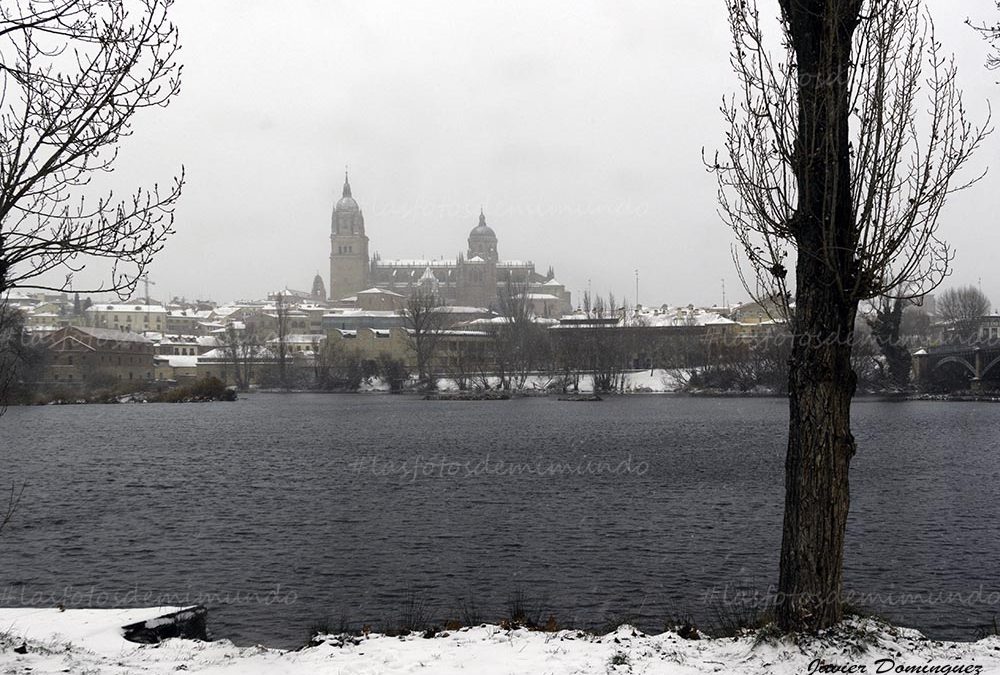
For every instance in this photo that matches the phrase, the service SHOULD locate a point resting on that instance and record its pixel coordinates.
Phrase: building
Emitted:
(477, 278)
(187, 321)
(348, 247)
(371, 344)
(98, 357)
(128, 318)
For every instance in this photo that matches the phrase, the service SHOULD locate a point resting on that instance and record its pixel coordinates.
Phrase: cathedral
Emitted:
(473, 279)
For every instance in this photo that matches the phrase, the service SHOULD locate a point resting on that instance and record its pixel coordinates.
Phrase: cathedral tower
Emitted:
(348, 247)
(483, 241)
(478, 273)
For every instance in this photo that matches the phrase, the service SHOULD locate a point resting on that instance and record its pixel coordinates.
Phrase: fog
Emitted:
(577, 126)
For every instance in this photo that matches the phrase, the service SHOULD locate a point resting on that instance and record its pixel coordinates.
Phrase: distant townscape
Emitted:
(475, 322)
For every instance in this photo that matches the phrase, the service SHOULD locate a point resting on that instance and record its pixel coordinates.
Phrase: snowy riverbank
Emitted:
(77, 641)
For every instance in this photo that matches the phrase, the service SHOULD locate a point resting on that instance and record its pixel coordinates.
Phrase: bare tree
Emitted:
(424, 323)
(962, 308)
(243, 351)
(342, 367)
(885, 321)
(519, 342)
(11, 337)
(22, 357)
(393, 371)
(991, 32)
(606, 346)
(281, 320)
(465, 360)
(74, 73)
(14, 356)
(828, 167)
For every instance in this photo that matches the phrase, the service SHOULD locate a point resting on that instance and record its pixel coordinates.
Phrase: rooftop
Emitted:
(112, 334)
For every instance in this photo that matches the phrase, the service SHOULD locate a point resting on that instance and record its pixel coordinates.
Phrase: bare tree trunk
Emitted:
(821, 381)
(821, 384)
(424, 323)
(282, 320)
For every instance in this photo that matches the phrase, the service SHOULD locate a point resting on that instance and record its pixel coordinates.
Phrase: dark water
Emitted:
(280, 511)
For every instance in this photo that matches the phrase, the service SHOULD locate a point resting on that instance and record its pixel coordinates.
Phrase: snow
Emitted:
(181, 361)
(416, 263)
(656, 381)
(379, 291)
(459, 309)
(341, 313)
(191, 313)
(145, 309)
(235, 325)
(99, 629)
(112, 334)
(684, 317)
(80, 641)
(540, 296)
(304, 338)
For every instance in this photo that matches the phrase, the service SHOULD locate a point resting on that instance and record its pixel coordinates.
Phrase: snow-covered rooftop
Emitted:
(113, 335)
(191, 313)
(301, 339)
(459, 309)
(380, 291)
(145, 309)
(416, 262)
(178, 361)
(540, 296)
(342, 313)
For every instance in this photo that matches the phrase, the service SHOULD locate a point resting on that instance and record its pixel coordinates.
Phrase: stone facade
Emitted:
(84, 355)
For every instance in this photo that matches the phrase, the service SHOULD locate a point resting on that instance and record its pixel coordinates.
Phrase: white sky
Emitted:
(577, 124)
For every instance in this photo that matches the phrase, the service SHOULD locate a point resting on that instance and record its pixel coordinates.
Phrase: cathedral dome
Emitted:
(482, 230)
(347, 203)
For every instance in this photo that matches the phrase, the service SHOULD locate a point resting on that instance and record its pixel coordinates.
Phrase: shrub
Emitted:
(205, 389)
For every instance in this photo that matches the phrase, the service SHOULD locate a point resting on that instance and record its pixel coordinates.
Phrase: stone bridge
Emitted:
(981, 360)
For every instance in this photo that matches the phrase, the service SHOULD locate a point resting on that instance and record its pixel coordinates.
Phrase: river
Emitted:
(282, 511)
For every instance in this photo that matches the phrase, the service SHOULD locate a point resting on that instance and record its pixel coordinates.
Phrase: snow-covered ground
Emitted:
(90, 641)
(656, 381)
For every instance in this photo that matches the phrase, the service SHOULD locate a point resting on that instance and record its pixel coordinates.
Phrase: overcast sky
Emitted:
(577, 125)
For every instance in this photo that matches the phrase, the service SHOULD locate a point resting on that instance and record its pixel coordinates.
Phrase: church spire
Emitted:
(482, 217)
(347, 185)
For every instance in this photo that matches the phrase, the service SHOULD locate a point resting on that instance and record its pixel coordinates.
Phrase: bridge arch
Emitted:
(992, 363)
(958, 359)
